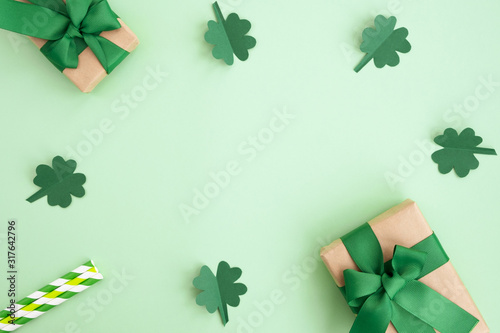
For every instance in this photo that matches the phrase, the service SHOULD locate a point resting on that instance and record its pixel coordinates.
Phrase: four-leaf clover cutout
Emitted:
(221, 290)
(229, 37)
(58, 182)
(458, 151)
(382, 43)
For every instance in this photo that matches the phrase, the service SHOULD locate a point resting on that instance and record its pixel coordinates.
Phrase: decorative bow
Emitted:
(381, 294)
(69, 29)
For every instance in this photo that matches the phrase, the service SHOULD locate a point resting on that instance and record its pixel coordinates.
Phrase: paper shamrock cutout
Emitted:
(58, 183)
(458, 151)
(221, 291)
(381, 43)
(229, 37)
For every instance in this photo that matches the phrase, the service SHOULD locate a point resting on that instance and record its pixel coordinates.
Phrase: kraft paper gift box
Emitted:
(404, 225)
(90, 71)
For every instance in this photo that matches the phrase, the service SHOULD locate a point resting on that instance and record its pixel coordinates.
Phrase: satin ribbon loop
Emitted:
(391, 292)
(360, 285)
(69, 29)
(406, 266)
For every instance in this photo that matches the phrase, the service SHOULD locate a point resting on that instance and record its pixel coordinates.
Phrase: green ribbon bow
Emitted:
(69, 29)
(383, 293)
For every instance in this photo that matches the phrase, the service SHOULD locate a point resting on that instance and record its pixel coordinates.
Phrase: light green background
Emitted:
(321, 176)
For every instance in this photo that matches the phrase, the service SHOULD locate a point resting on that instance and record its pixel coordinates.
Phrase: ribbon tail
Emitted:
(62, 53)
(434, 309)
(360, 286)
(55, 5)
(109, 54)
(405, 322)
(375, 315)
(18, 17)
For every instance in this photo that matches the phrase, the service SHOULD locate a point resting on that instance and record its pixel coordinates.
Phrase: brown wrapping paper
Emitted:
(405, 225)
(90, 72)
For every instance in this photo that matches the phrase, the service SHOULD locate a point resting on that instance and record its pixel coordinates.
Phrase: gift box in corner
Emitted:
(84, 39)
(396, 277)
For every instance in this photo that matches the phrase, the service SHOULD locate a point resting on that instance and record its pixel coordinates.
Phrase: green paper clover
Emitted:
(381, 43)
(221, 291)
(458, 151)
(58, 183)
(229, 37)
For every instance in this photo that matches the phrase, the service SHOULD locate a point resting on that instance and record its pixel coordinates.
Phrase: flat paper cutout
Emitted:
(58, 183)
(381, 43)
(458, 151)
(229, 37)
(221, 291)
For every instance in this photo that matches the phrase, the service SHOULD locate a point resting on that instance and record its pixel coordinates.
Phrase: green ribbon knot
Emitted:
(384, 293)
(69, 28)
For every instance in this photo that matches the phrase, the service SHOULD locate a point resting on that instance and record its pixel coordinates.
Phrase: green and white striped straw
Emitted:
(50, 296)
(47, 289)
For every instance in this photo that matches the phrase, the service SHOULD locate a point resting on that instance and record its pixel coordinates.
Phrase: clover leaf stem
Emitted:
(485, 151)
(224, 314)
(218, 13)
(477, 150)
(40, 194)
(368, 57)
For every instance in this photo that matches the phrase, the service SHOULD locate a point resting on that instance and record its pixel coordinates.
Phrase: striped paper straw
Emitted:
(48, 288)
(44, 304)
(52, 295)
